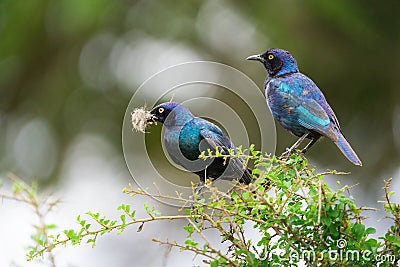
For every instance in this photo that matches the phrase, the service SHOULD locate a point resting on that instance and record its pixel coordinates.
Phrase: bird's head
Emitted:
(277, 61)
(161, 112)
(172, 112)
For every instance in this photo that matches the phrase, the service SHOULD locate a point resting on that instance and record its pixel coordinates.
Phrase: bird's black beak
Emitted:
(153, 118)
(256, 57)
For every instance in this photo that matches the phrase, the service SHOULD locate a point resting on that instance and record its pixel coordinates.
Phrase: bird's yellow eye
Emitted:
(160, 110)
(270, 57)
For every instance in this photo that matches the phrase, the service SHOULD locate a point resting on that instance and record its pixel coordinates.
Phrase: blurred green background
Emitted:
(68, 69)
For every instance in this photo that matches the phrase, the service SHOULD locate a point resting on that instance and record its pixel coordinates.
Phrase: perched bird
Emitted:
(186, 136)
(298, 104)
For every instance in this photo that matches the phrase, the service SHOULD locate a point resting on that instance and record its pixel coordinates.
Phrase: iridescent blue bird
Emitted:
(298, 104)
(186, 136)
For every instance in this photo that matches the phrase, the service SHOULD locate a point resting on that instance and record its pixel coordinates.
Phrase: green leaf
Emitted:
(358, 230)
(191, 243)
(189, 229)
(123, 219)
(370, 231)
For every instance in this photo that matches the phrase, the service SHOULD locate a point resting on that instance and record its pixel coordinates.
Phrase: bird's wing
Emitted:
(320, 98)
(310, 114)
(307, 89)
(216, 138)
(332, 116)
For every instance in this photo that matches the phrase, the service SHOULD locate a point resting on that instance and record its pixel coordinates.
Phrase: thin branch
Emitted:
(107, 228)
(222, 255)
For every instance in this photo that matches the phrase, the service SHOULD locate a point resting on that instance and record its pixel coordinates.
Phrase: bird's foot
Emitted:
(292, 149)
(285, 155)
(198, 189)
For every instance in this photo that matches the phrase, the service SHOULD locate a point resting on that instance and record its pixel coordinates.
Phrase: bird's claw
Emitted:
(285, 155)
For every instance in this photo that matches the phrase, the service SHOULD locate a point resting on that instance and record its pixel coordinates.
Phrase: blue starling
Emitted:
(298, 104)
(186, 136)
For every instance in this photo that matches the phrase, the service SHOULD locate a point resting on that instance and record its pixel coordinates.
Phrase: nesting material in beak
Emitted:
(141, 118)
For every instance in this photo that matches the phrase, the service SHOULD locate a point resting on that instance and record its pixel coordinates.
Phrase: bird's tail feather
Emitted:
(346, 149)
(246, 177)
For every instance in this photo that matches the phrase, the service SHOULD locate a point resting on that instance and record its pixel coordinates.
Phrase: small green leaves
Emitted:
(72, 236)
(298, 214)
(190, 243)
(189, 229)
(123, 220)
